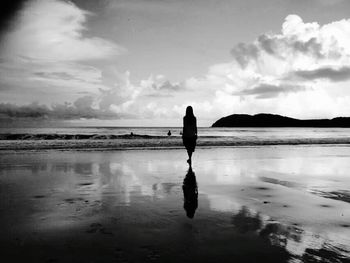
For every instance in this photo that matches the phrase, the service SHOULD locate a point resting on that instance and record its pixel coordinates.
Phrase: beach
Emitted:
(164, 131)
(271, 203)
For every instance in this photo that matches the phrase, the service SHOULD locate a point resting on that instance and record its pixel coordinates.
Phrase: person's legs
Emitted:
(190, 144)
(189, 152)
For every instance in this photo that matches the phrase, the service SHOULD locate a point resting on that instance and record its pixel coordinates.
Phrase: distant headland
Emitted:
(273, 120)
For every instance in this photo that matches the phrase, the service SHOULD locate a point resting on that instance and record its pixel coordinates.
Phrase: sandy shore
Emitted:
(254, 204)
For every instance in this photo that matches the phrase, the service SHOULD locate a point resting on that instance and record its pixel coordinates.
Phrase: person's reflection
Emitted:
(190, 190)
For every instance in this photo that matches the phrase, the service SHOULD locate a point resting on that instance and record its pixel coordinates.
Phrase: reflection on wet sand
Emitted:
(139, 199)
(190, 191)
(297, 243)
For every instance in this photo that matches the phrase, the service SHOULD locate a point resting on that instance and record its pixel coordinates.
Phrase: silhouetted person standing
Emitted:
(190, 191)
(189, 133)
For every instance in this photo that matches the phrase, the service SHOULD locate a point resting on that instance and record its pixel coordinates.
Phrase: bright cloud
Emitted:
(48, 57)
(52, 30)
(301, 72)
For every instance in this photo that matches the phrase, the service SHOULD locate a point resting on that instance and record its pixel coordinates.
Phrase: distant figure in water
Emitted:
(190, 191)
(131, 133)
(189, 133)
(169, 133)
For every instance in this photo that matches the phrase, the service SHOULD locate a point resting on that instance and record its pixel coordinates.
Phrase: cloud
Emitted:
(332, 74)
(29, 81)
(167, 85)
(307, 62)
(298, 46)
(49, 54)
(265, 91)
(81, 108)
(329, 2)
(302, 71)
(148, 98)
(244, 53)
(53, 30)
(33, 110)
(159, 86)
(112, 95)
(56, 75)
(118, 91)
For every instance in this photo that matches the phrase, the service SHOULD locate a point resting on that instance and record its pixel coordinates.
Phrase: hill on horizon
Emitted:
(274, 120)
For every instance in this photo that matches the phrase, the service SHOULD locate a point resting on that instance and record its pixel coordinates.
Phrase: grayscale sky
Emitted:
(141, 62)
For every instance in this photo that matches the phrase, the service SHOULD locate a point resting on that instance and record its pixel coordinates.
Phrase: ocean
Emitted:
(202, 131)
(242, 133)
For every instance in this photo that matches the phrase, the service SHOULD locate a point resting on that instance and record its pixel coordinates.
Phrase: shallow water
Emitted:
(279, 203)
(116, 138)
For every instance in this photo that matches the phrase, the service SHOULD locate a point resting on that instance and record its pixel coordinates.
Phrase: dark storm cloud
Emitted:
(275, 46)
(265, 91)
(267, 43)
(8, 12)
(92, 5)
(33, 110)
(81, 108)
(272, 45)
(312, 46)
(329, 73)
(243, 53)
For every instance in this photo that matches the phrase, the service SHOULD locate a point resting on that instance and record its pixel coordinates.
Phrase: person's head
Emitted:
(189, 111)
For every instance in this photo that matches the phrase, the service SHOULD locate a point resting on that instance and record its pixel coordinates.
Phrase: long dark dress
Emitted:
(189, 133)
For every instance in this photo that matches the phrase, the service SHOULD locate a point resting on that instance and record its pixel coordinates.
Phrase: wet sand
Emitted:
(105, 142)
(249, 204)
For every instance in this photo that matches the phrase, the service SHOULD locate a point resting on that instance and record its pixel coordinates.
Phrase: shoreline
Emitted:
(157, 144)
(160, 148)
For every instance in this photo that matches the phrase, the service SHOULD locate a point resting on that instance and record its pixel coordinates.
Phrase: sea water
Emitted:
(249, 134)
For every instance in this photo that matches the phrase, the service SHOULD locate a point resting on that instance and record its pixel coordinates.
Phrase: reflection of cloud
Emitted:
(299, 243)
(247, 221)
(222, 204)
(122, 179)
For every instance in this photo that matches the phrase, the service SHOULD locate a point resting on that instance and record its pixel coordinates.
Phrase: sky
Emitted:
(142, 62)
